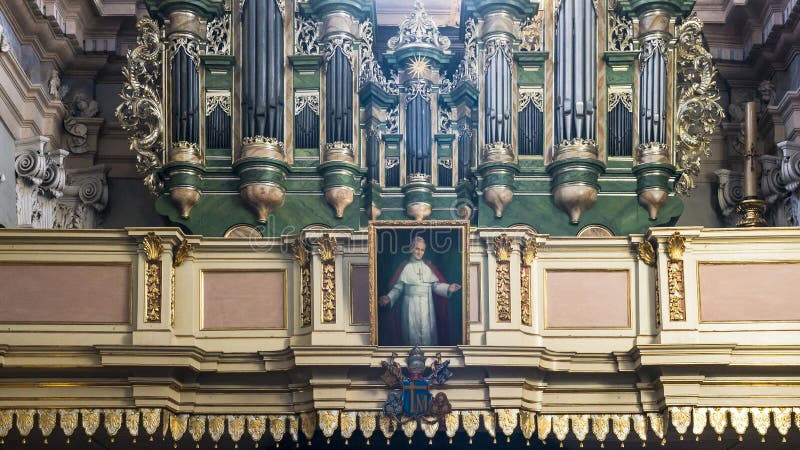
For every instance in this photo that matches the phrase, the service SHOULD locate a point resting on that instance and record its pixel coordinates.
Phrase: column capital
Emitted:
(656, 8)
(162, 9)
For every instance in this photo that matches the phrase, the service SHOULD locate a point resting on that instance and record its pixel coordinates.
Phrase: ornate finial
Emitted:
(529, 251)
(152, 247)
(676, 244)
(418, 29)
(502, 247)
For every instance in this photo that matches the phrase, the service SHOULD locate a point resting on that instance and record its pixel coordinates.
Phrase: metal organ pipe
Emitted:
(339, 97)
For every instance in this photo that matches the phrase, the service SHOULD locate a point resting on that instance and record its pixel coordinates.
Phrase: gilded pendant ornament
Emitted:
(490, 424)
(367, 422)
(302, 256)
(782, 418)
(640, 426)
(657, 424)
(236, 429)
(681, 419)
(507, 419)
(740, 420)
(409, 427)
(68, 422)
(216, 426)
(675, 281)
(47, 422)
(718, 419)
(178, 424)
(293, 426)
(277, 428)
(580, 427)
(140, 113)
(761, 421)
(132, 422)
(502, 252)
(699, 421)
(327, 253)
(25, 422)
(112, 422)
(451, 425)
(328, 421)
(621, 425)
(600, 427)
(153, 249)
(388, 427)
(151, 419)
(429, 428)
(561, 427)
(347, 425)
(90, 422)
(197, 428)
(308, 423)
(698, 112)
(527, 425)
(6, 422)
(544, 423)
(470, 421)
(256, 426)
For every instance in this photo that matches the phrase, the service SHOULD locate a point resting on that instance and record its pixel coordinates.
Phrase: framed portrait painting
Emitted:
(418, 282)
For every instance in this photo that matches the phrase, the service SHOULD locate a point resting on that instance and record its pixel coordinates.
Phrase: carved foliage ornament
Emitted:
(468, 67)
(327, 252)
(615, 97)
(675, 282)
(306, 99)
(301, 254)
(140, 113)
(218, 32)
(528, 255)
(188, 45)
(620, 33)
(502, 251)
(370, 70)
(698, 112)
(153, 248)
(533, 33)
(306, 35)
(218, 99)
(418, 29)
(533, 97)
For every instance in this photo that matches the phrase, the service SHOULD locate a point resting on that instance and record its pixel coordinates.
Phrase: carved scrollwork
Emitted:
(188, 45)
(153, 248)
(502, 251)
(620, 32)
(306, 35)
(418, 28)
(494, 47)
(534, 97)
(302, 256)
(533, 33)
(418, 87)
(698, 113)
(218, 32)
(617, 96)
(393, 120)
(306, 99)
(528, 254)
(675, 282)
(651, 45)
(468, 67)
(218, 99)
(140, 113)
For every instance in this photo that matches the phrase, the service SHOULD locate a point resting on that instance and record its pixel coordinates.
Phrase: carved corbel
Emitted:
(85, 197)
(790, 165)
(730, 192)
(502, 253)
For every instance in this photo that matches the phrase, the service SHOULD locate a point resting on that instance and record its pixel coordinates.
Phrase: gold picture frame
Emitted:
(398, 234)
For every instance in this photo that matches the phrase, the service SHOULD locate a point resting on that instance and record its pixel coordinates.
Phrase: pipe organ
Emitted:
(559, 115)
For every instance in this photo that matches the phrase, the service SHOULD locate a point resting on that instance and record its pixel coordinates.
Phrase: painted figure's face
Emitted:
(419, 250)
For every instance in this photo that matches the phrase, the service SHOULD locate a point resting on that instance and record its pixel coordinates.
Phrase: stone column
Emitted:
(40, 182)
(85, 197)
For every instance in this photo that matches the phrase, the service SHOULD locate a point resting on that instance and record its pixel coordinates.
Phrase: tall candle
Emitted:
(750, 169)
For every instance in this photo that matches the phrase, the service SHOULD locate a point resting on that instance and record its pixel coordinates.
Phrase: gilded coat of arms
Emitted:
(409, 396)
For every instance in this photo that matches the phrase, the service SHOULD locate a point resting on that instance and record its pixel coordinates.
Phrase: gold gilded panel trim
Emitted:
(302, 256)
(153, 248)
(502, 253)
(676, 244)
(528, 255)
(327, 253)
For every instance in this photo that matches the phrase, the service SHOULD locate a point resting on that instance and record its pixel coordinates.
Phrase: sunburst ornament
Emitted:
(418, 67)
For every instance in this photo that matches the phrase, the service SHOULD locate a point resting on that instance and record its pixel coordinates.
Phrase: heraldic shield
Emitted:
(410, 397)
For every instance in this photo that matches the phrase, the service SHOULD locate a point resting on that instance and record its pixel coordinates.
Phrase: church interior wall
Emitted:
(8, 196)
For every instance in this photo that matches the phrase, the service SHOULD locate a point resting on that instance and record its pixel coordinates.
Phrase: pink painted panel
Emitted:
(359, 293)
(474, 293)
(52, 293)
(587, 299)
(748, 292)
(243, 300)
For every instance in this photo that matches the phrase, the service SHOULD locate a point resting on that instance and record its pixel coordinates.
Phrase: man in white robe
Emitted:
(415, 288)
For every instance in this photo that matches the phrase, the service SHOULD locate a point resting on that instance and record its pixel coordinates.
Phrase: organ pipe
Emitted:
(339, 98)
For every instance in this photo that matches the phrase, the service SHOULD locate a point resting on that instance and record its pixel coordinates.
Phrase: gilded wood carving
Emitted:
(327, 253)
(153, 248)
(675, 283)
(301, 254)
(502, 253)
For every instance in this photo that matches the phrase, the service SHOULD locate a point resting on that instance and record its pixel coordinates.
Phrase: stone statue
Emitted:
(55, 85)
(5, 42)
(83, 106)
(766, 93)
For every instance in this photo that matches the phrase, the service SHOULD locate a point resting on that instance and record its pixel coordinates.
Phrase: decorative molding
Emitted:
(218, 35)
(698, 113)
(502, 253)
(301, 255)
(533, 33)
(327, 253)
(153, 248)
(140, 113)
(676, 245)
(218, 99)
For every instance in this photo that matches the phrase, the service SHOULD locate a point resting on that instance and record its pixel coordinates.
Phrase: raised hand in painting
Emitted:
(455, 287)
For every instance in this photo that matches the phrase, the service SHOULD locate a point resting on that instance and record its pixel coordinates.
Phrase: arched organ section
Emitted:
(317, 112)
